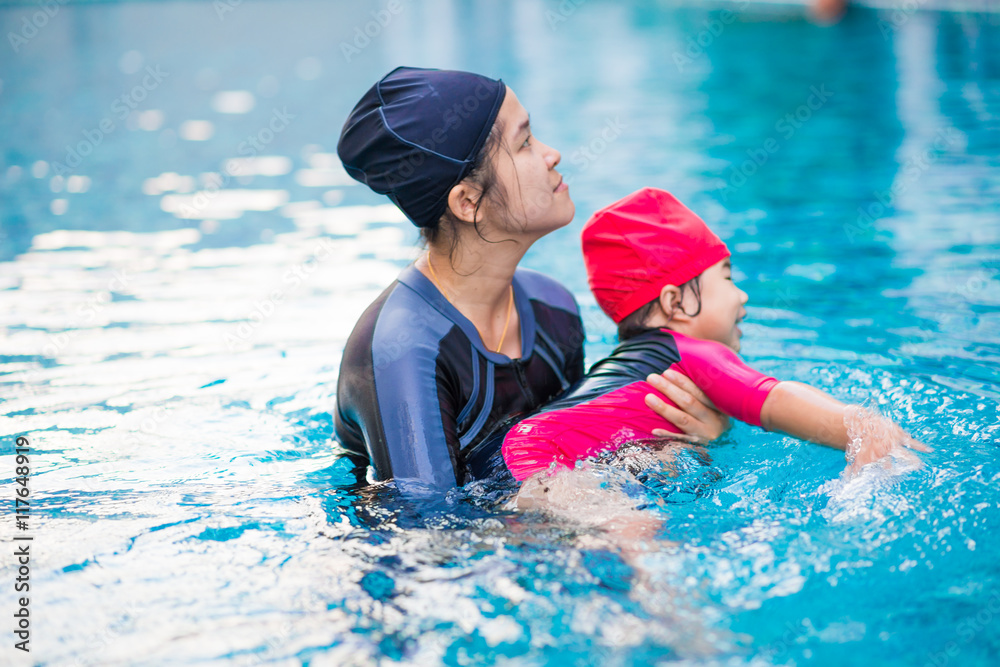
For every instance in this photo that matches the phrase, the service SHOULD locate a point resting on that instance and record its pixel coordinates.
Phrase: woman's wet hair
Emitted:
(484, 176)
(635, 323)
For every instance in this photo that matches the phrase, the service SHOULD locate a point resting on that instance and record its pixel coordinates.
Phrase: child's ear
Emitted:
(670, 301)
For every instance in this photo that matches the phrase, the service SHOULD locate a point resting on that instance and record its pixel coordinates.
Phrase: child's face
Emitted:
(721, 306)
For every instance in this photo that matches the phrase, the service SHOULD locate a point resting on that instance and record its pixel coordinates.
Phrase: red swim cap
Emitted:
(635, 246)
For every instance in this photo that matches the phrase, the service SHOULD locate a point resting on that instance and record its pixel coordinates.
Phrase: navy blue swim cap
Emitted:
(415, 134)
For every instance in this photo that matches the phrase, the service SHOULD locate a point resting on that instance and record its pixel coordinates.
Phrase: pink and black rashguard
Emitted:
(607, 408)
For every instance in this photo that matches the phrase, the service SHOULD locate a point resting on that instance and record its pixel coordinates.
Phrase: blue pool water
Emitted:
(173, 324)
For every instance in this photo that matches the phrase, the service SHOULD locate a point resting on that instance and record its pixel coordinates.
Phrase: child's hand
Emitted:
(697, 416)
(874, 437)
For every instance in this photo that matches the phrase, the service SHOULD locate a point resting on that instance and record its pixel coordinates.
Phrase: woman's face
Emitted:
(537, 200)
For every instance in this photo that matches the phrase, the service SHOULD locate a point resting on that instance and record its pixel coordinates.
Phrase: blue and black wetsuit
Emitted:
(418, 393)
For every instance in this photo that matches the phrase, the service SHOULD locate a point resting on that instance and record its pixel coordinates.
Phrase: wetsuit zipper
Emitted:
(521, 380)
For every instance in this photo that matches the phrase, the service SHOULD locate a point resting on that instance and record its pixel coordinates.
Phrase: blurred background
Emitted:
(182, 258)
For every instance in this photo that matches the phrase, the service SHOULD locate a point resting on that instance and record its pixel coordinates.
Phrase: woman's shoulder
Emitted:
(399, 320)
(540, 287)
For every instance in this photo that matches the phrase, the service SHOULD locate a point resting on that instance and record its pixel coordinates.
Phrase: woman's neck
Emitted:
(476, 280)
(479, 285)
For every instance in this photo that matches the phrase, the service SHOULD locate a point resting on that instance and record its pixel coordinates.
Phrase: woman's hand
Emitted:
(697, 416)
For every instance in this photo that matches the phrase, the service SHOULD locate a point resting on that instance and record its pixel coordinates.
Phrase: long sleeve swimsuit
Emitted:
(418, 394)
(607, 408)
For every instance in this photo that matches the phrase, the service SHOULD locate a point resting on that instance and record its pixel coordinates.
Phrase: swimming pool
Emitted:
(173, 325)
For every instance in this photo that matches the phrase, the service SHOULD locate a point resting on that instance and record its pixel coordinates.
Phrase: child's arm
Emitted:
(794, 408)
(808, 413)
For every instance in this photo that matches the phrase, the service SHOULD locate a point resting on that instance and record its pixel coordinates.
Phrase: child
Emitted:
(661, 274)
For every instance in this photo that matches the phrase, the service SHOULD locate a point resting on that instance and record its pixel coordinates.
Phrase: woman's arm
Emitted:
(389, 403)
(810, 414)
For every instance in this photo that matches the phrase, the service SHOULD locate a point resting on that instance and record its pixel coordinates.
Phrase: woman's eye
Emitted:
(526, 142)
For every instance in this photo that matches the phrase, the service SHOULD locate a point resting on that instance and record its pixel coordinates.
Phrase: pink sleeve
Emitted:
(735, 388)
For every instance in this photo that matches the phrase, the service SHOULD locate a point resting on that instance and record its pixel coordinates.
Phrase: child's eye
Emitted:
(526, 142)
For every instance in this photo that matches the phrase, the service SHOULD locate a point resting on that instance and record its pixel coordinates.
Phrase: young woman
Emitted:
(463, 340)
(661, 274)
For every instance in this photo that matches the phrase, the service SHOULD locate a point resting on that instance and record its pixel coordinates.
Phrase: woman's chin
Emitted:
(558, 221)
(567, 217)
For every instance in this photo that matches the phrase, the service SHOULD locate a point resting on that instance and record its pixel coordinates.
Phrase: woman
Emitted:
(463, 341)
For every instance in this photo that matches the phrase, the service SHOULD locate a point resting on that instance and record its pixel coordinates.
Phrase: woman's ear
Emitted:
(462, 199)
(670, 302)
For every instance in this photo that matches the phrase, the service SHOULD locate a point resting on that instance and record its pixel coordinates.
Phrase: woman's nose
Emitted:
(552, 156)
